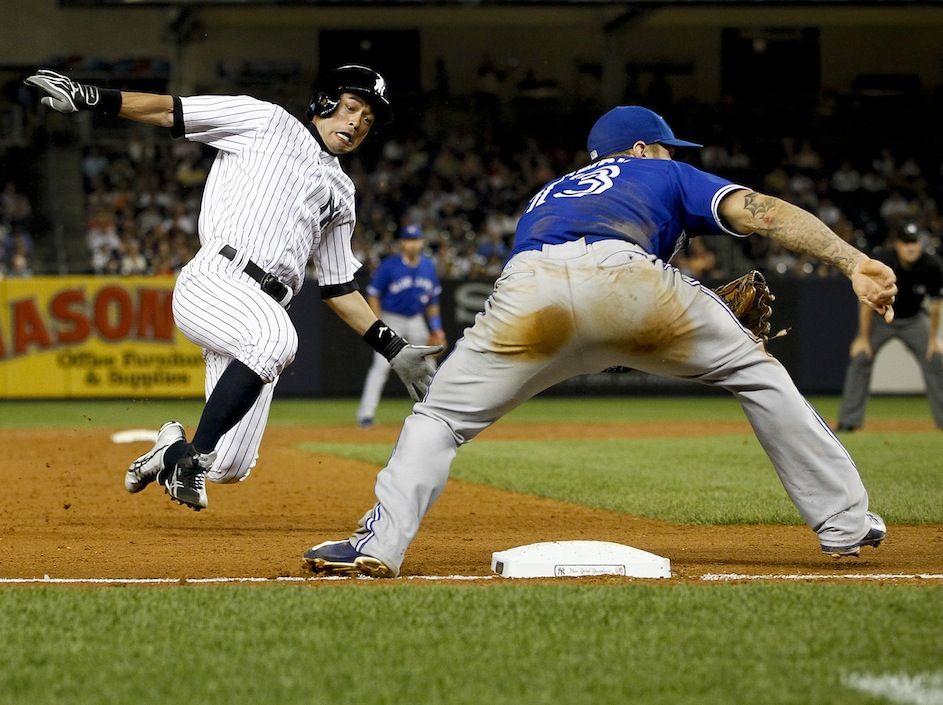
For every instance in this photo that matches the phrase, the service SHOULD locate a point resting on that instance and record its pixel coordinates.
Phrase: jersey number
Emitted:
(589, 183)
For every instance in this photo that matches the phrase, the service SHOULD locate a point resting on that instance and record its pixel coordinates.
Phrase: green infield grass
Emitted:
(508, 643)
(693, 480)
(667, 409)
(503, 641)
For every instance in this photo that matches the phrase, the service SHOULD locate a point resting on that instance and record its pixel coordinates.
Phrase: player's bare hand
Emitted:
(875, 285)
(860, 346)
(413, 366)
(62, 93)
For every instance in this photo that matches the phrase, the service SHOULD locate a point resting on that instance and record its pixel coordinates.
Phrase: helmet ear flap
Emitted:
(322, 106)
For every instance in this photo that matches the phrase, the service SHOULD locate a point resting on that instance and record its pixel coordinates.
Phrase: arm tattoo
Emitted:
(800, 231)
(758, 205)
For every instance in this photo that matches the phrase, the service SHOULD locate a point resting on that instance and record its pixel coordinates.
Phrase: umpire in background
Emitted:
(406, 289)
(919, 276)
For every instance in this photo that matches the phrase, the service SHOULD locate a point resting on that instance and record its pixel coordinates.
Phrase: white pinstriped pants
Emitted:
(580, 308)
(222, 309)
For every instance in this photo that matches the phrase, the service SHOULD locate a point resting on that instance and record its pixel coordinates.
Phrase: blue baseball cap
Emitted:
(410, 232)
(625, 125)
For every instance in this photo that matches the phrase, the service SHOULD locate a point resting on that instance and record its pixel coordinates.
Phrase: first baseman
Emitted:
(275, 196)
(404, 292)
(588, 288)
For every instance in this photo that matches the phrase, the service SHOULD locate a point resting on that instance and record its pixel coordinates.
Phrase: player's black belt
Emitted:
(269, 283)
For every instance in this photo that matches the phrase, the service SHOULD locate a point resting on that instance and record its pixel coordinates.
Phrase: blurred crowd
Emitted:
(16, 239)
(864, 200)
(464, 168)
(142, 203)
(143, 199)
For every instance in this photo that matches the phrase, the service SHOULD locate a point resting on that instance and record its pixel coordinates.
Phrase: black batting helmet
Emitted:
(357, 79)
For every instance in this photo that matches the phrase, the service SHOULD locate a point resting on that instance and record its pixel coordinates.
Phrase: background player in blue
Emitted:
(919, 277)
(588, 288)
(405, 289)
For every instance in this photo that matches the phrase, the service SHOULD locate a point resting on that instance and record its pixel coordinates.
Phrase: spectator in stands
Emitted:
(20, 265)
(807, 158)
(132, 259)
(94, 164)
(895, 207)
(828, 212)
(884, 163)
(16, 207)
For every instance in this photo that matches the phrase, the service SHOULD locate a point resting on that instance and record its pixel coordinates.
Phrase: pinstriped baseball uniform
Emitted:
(278, 198)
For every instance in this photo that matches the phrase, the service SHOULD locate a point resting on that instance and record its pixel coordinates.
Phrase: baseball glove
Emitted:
(749, 298)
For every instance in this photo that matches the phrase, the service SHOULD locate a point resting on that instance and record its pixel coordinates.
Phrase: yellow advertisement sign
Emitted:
(94, 337)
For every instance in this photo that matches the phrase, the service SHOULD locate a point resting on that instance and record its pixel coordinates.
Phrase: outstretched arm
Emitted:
(149, 108)
(63, 94)
(799, 231)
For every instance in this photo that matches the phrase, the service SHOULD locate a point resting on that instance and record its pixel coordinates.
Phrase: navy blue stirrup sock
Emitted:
(174, 452)
(235, 393)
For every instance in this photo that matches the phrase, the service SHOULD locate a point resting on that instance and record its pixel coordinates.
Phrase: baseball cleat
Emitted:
(340, 558)
(143, 471)
(876, 534)
(186, 483)
(366, 422)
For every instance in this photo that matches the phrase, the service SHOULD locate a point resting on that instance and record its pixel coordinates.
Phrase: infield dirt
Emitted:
(65, 514)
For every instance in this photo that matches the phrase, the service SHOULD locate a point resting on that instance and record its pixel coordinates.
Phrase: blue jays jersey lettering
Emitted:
(651, 202)
(405, 290)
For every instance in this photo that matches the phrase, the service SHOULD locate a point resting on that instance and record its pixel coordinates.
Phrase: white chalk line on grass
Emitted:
(725, 577)
(922, 689)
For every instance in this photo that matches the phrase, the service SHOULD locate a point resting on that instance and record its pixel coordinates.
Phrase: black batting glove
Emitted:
(67, 96)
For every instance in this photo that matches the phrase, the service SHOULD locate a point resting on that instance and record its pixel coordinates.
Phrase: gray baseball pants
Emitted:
(914, 332)
(573, 309)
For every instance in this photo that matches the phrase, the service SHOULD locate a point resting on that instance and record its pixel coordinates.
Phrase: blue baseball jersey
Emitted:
(404, 289)
(651, 202)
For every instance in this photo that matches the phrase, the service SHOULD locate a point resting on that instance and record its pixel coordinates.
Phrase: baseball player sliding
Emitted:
(275, 196)
(588, 288)
(404, 291)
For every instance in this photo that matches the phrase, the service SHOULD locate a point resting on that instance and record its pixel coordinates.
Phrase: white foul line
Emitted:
(724, 577)
(709, 577)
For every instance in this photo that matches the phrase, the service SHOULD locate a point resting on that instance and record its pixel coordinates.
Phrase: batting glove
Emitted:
(414, 367)
(67, 96)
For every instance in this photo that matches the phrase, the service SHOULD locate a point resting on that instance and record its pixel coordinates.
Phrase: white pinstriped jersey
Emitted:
(273, 192)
